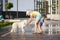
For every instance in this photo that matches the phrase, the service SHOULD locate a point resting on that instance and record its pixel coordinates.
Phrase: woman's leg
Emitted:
(38, 18)
(39, 29)
(40, 26)
(36, 24)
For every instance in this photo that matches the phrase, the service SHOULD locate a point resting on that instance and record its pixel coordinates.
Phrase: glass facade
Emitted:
(49, 6)
(53, 6)
(41, 6)
(2, 4)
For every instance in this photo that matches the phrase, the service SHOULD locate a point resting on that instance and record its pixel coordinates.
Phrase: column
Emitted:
(3, 5)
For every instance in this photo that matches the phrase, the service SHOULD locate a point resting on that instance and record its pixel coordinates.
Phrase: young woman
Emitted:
(38, 17)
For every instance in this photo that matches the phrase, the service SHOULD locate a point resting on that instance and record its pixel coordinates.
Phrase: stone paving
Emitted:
(28, 35)
(15, 36)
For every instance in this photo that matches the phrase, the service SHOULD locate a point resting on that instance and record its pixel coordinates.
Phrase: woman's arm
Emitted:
(30, 19)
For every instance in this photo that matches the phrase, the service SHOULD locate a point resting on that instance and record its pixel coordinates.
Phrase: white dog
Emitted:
(16, 25)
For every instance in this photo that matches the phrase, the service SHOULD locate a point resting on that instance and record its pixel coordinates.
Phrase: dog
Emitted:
(14, 27)
(20, 25)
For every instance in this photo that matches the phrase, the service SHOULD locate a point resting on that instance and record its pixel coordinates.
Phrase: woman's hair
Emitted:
(29, 12)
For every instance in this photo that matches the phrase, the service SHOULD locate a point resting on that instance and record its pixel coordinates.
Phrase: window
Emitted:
(0, 8)
(38, 3)
(6, 0)
(53, 1)
(0, 3)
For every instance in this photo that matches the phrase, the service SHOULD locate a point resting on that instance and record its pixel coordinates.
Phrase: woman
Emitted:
(38, 17)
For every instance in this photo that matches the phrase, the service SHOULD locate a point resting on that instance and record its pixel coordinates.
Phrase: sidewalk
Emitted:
(14, 36)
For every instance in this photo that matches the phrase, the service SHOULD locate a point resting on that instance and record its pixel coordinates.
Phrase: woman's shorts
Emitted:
(39, 17)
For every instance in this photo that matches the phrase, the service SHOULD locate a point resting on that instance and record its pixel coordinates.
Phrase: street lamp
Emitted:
(17, 8)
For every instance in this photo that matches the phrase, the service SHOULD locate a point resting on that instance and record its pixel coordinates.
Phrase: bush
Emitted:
(9, 5)
(4, 24)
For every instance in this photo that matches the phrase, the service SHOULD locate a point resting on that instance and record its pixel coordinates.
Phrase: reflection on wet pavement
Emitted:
(29, 36)
(50, 33)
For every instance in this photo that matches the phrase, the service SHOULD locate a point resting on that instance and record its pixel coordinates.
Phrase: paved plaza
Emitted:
(5, 34)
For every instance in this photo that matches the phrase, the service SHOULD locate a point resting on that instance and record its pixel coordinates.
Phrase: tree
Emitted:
(41, 9)
(8, 5)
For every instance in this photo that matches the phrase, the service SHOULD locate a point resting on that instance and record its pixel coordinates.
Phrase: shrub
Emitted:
(4, 24)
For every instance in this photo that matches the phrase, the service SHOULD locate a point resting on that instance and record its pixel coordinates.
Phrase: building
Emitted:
(49, 7)
(4, 8)
(53, 9)
(58, 6)
(41, 6)
(19, 7)
(2, 5)
(53, 6)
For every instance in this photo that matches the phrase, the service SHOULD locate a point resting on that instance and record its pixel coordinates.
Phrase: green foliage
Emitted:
(44, 3)
(41, 9)
(4, 24)
(9, 5)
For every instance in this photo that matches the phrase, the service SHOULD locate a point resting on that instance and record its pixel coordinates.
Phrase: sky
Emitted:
(23, 5)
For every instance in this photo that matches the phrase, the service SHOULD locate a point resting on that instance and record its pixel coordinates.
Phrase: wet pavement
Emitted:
(29, 36)
(5, 34)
